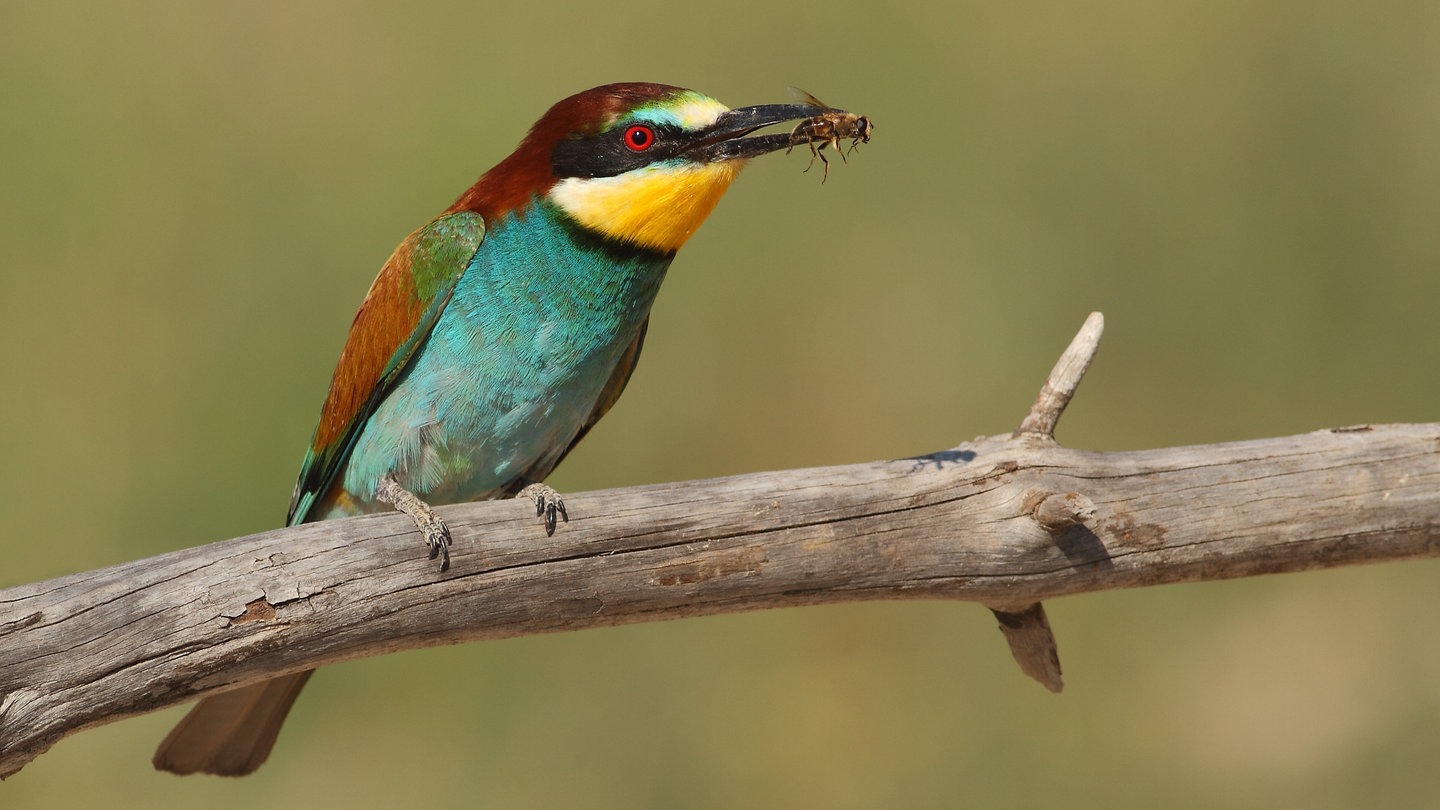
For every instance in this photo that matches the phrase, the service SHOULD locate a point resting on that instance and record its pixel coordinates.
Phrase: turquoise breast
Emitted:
(514, 365)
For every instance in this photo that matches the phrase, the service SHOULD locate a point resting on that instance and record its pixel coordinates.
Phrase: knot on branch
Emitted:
(1058, 511)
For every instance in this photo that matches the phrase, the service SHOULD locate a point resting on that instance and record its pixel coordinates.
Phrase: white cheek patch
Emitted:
(697, 112)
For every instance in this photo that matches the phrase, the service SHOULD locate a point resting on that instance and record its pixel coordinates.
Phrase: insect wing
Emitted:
(805, 98)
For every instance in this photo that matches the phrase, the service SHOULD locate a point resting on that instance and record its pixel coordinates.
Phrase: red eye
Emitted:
(639, 137)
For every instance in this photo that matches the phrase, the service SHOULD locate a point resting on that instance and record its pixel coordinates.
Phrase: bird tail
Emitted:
(231, 734)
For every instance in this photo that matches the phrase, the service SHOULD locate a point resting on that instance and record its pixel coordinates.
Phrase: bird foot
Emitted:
(547, 503)
(432, 528)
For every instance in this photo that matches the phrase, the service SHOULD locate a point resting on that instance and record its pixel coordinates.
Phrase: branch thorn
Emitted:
(1033, 644)
(1063, 380)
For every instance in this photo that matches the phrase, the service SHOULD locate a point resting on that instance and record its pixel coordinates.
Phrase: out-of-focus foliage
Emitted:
(196, 196)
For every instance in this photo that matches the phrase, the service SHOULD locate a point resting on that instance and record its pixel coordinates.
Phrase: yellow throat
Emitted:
(657, 207)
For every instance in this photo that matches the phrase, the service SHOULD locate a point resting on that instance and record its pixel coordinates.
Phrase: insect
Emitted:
(828, 129)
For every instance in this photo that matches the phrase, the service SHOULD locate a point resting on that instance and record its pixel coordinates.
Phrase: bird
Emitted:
(497, 335)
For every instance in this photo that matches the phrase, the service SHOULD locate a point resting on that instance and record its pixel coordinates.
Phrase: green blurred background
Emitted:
(195, 197)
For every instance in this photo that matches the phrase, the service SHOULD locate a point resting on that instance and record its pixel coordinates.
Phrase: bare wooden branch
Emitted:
(1003, 521)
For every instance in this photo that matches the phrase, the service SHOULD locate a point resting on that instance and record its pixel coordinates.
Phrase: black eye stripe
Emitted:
(613, 152)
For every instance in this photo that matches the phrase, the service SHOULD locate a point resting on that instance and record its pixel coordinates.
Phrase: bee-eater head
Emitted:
(638, 163)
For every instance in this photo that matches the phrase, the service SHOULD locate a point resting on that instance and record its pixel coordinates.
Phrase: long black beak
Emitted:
(725, 139)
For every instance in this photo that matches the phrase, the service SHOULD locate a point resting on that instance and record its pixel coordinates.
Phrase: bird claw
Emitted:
(547, 503)
(432, 528)
(437, 537)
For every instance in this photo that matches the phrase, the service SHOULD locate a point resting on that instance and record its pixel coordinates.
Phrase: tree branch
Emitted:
(1004, 521)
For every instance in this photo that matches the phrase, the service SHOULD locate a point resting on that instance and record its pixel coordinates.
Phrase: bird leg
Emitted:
(432, 528)
(547, 503)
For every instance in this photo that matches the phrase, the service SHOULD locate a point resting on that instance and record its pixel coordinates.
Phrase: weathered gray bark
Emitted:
(1003, 521)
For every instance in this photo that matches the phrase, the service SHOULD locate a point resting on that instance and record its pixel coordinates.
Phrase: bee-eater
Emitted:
(497, 335)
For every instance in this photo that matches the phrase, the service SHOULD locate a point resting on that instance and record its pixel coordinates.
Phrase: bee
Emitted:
(828, 129)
